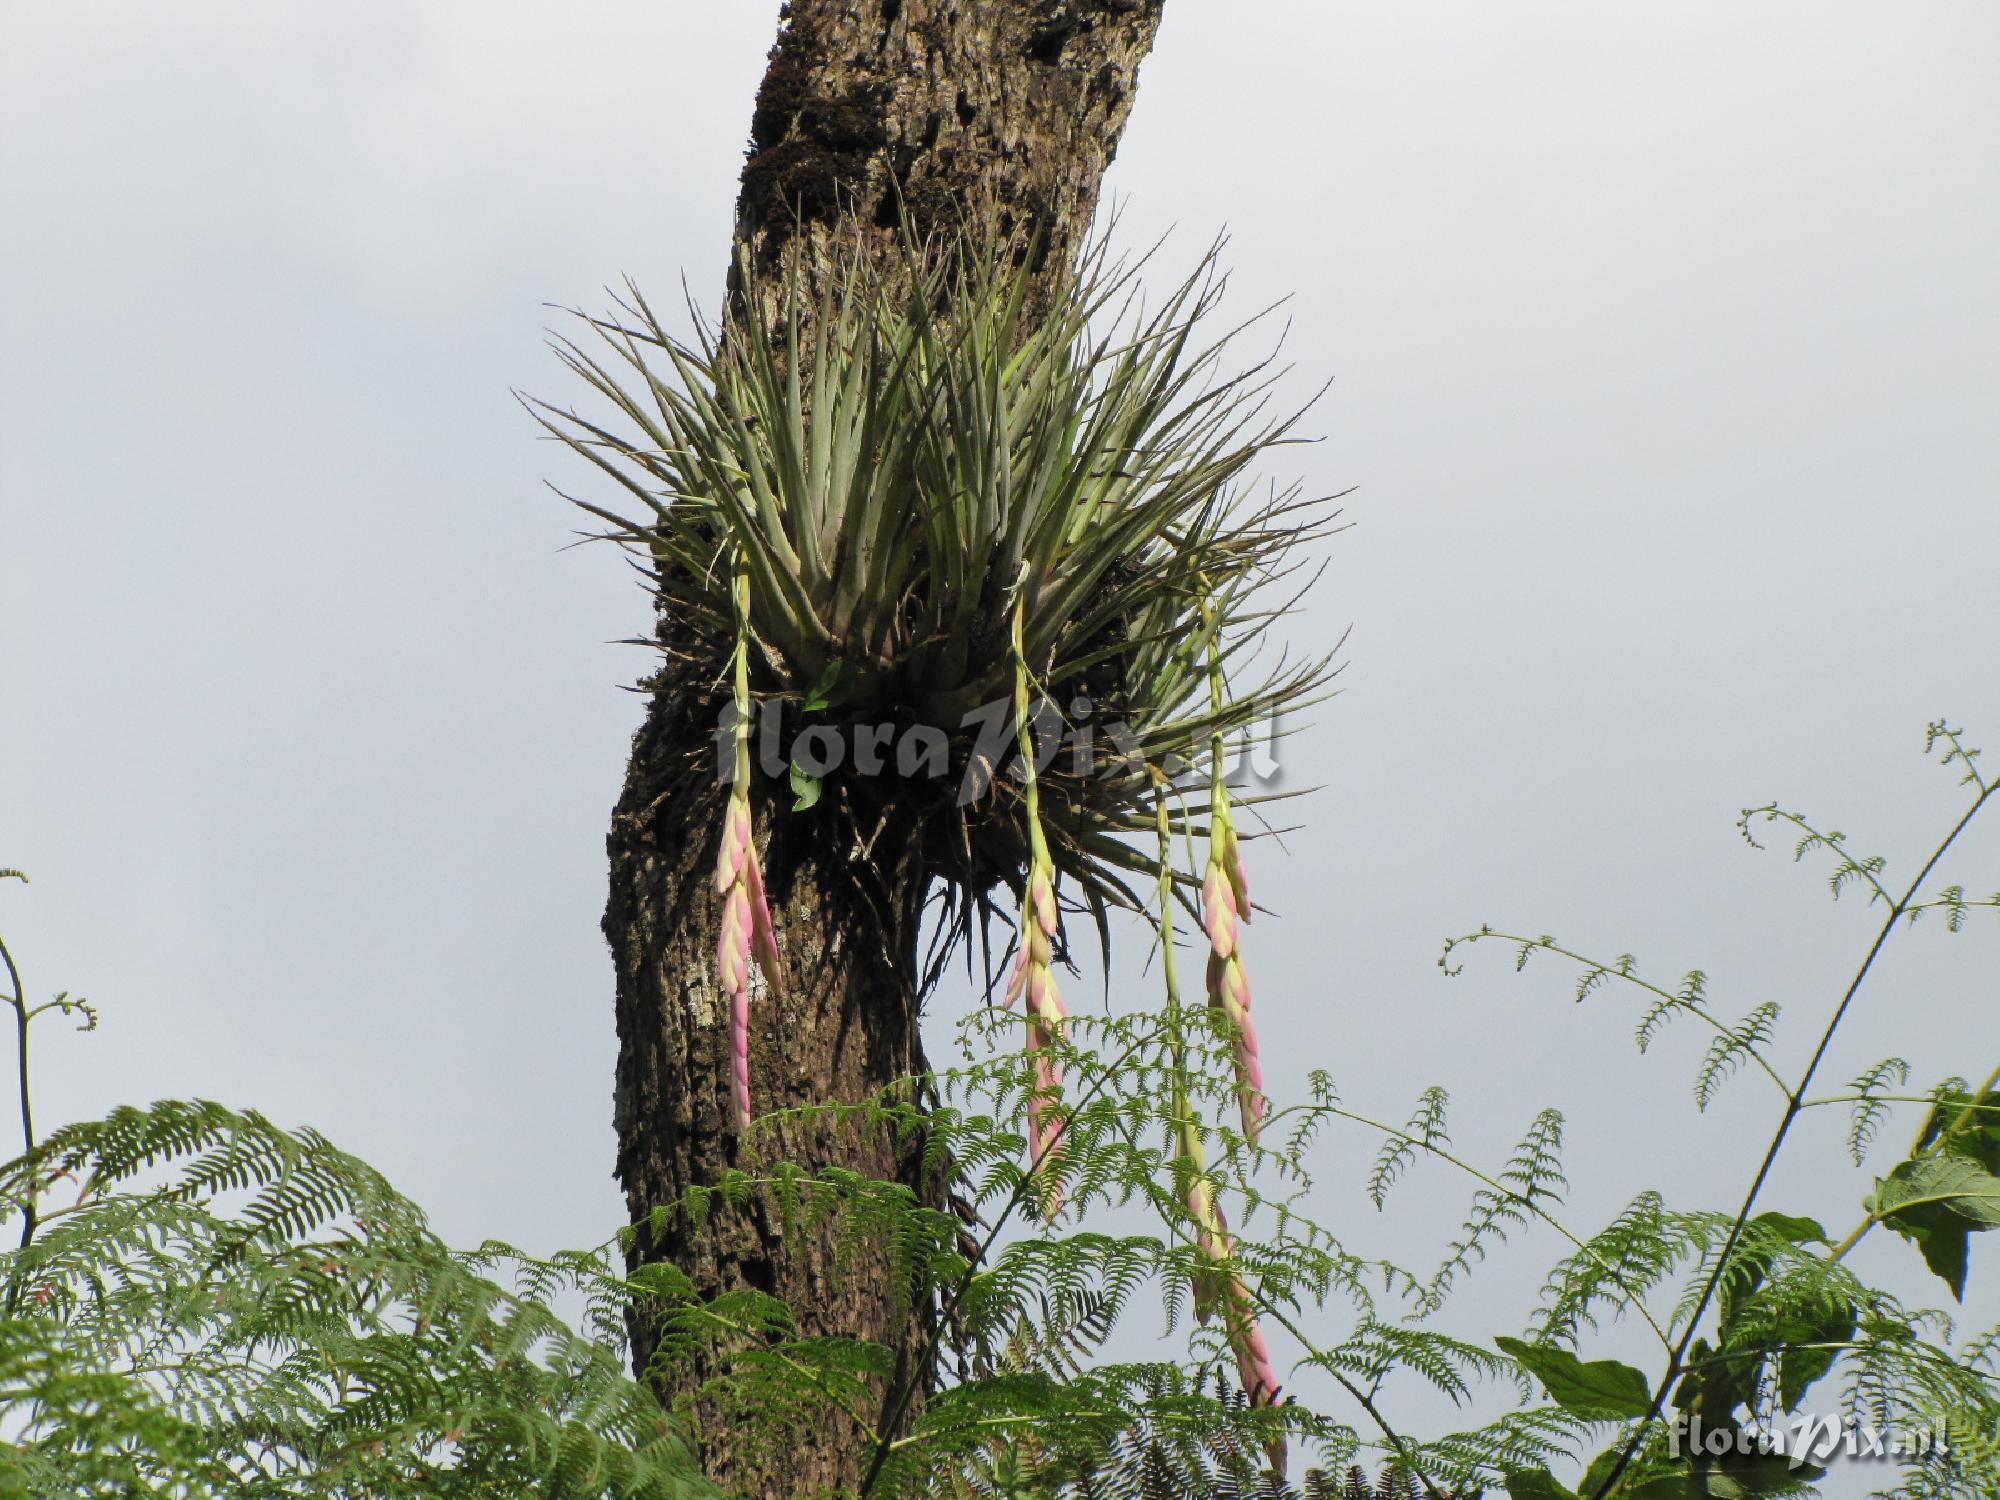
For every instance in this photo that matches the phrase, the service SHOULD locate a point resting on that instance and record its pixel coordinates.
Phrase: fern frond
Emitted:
(1870, 1109)
(1728, 1052)
(1426, 1128)
(1533, 1175)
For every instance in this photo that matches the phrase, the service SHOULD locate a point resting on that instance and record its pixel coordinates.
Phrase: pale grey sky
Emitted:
(1666, 347)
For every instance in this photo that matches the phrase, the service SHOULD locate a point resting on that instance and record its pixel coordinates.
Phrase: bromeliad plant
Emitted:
(933, 495)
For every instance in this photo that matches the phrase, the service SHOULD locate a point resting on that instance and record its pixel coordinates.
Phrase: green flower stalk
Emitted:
(1225, 904)
(1033, 977)
(746, 915)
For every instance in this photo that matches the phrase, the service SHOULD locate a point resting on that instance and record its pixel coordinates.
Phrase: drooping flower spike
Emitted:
(1225, 907)
(1254, 1370)
(1216, 1282)
(1034, 977)
(1211, 1234)
(747, 931)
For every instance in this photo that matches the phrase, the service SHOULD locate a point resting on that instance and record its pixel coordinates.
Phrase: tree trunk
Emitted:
(1001, 113)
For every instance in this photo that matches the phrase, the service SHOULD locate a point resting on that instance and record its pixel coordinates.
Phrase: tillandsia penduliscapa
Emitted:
(747, 931)
(1034, 977)
(1225, 906)
(1216, 1281)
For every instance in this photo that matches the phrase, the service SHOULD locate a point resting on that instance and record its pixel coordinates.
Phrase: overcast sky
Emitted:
(1665, 348)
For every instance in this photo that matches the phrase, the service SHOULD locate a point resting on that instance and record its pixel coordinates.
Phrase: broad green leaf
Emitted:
(1535, 1484)
(1800, 1231)
(1683, 1484)
(1945, 1247)
(1956, 1184)
(1602, 1389)
(1959, 1125)
(1755, 1475)
(1936, 1202)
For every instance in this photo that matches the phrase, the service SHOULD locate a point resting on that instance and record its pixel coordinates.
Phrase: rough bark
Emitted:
(929, 114)
(1004, 113)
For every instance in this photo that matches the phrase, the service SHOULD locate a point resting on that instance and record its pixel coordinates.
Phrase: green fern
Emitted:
(318, 1340)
